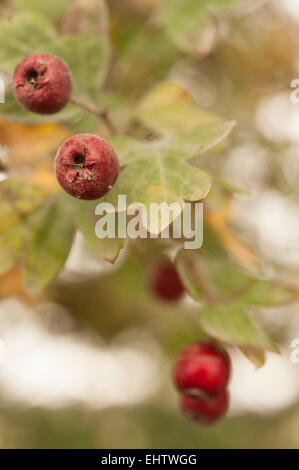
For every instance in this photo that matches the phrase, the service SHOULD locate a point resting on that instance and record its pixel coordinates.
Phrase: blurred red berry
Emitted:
(202, 368)
(86, 166)
(166, 283)
(205, 410)
(42, 83)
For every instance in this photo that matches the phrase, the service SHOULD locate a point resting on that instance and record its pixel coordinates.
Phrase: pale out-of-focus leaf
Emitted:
(52, 237)
(18, 200)
(25, 34)
(145, 56)
(220, 279)
(254, 355)
(85, 44)
(55, 9)
(237, 248)
(185, 21)
(87, 56)
(83, 16)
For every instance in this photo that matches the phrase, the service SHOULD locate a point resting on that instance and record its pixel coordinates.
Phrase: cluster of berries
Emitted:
(202, 370)
(86, 165)
(201, 374)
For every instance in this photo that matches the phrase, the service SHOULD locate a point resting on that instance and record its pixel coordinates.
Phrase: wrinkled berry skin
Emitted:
(202, 369)
(166, 283)
(86, 166)
(42, 83)
(205, 410)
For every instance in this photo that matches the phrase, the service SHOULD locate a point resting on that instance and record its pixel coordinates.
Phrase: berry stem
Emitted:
(101, 113)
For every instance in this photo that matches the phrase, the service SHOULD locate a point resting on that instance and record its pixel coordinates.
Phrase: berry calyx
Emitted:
(205, 410)
(202, 368)
(86, 166)
(42, 83)
(166, 283)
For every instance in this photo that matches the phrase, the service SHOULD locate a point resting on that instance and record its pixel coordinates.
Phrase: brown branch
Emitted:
(101, 113)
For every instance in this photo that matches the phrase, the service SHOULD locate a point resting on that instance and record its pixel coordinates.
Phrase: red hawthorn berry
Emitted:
(42, 83)
(166, 283)
(205, 410)
(86, 166)
(202, 368)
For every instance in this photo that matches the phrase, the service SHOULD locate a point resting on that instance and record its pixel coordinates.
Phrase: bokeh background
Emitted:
(88, 361)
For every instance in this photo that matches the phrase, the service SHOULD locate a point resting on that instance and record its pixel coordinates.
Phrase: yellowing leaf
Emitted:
(18, 200)
(237, 248)
(45, 177)
(12, 285)
(254, 355)
(28, 143)
(171, 111)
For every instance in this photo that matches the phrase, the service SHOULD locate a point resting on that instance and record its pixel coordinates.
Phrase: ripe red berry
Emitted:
(202, 368)
(166, 283)
(42, 83)
(86, 166)
(205, 410)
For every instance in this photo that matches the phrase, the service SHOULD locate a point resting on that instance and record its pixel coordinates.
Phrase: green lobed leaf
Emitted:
(159, 177)
(185, 20)
(53, 232)
(85, 219)
(130, 150)
(218, 274)
(232, 324)
(231, 280)
(156, 171)
(229, 291)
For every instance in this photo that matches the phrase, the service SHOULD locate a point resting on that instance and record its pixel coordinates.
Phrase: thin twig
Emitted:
(101, 113)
